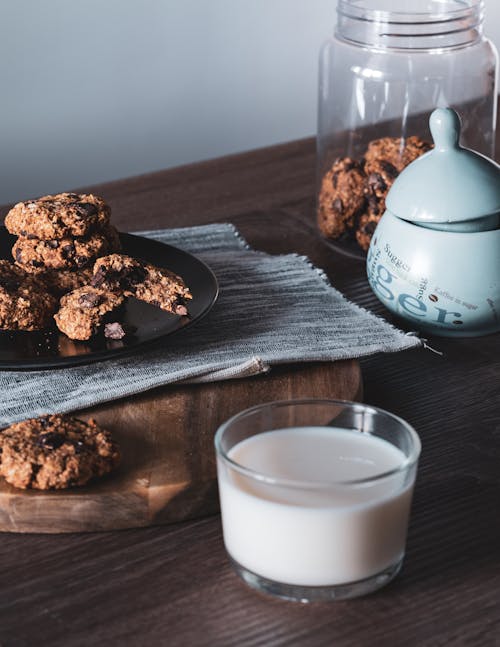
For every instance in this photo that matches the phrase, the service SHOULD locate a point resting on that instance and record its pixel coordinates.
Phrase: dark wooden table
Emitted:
(172, 585)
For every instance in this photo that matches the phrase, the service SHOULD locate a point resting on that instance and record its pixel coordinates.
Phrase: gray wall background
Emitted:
(97, 90)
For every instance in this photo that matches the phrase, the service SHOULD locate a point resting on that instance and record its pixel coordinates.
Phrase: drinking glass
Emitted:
(315, 496)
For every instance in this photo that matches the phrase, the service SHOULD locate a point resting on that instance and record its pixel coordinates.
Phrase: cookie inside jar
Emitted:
(352, 192)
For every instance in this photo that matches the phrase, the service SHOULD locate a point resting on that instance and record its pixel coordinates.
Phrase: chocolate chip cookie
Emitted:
(341, 197)
(154, 285)
(54, 217)
(33, 254)
(396, 151)
(383, 161)
(60, 282)
(25, 302)
(86, 310)
(55, 452)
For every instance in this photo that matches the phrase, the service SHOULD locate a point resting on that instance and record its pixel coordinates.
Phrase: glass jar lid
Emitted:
(449, 184)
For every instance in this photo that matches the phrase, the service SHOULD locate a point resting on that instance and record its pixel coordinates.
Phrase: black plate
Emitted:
(52, 349)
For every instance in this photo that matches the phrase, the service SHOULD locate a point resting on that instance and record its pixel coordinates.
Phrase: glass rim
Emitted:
(351, 9)
(256, 475)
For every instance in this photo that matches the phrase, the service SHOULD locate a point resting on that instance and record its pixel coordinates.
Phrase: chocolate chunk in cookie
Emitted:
(65, 253)
(380, 176)
(341, 197)
(85, 310)
(25, 302)
(55, 452)
(128, 276)
(54, 217)
(366, 227)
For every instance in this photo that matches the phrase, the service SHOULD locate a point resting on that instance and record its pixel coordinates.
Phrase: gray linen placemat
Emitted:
(271, 310)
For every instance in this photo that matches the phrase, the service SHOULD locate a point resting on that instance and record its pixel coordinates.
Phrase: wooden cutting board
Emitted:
(168, 470)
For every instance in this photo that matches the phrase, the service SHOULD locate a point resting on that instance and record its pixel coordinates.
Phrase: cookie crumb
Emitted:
(114, 330)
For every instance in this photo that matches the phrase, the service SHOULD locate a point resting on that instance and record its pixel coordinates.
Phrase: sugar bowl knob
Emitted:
(445, 129)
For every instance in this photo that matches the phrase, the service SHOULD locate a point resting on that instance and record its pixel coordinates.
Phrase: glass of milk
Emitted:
(315, 496)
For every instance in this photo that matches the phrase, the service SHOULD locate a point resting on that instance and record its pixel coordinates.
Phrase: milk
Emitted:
(321, 533)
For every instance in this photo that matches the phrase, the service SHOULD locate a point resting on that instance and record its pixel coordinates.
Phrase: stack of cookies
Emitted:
(352, 194)
(60, 237)
(66, 270)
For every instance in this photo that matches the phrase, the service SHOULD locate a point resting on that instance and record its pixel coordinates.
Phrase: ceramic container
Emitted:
(434, 258)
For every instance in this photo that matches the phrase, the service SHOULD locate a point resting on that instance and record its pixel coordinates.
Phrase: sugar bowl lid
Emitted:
(449, 184)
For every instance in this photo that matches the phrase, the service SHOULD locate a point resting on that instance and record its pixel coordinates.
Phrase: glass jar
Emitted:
(388, 65)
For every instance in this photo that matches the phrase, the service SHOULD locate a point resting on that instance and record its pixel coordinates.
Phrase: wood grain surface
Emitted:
(168, 470)
(172, 585)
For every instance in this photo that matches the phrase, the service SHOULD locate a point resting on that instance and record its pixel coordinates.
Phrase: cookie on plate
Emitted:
(54, 217)
(33, 254)
(55, 452)
(157, 286)
(341, 197)
(60, 282)
(86, 310)
(25, 302)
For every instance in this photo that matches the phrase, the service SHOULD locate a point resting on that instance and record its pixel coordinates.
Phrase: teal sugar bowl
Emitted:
(434, 258)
